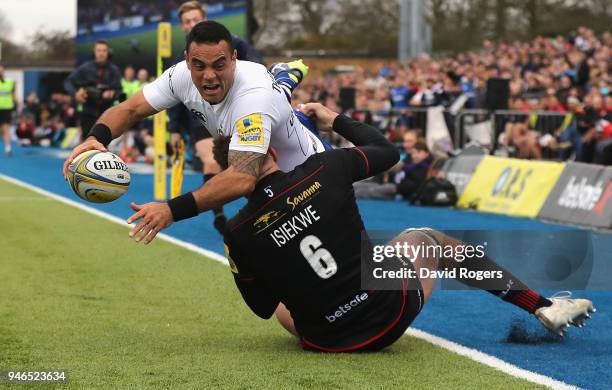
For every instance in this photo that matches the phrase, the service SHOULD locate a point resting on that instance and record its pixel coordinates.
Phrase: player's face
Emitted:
(212, 68)
(190, 19)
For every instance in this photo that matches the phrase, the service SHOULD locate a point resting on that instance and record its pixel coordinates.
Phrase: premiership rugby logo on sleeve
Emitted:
(250, 130)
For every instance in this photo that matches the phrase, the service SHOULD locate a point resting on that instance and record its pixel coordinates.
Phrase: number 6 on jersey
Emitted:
(321, 261)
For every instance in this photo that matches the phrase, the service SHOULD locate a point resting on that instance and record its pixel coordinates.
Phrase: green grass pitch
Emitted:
(76, 293)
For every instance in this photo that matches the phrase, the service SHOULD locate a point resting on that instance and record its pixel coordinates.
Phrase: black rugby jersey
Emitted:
(298, 241)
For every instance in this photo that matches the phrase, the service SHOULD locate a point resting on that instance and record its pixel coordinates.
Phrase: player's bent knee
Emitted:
(434, 236)
(427, 262)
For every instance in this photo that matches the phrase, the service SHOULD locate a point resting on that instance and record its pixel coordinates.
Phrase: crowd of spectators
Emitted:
(43, 123)
(570, 75)
(560, 102)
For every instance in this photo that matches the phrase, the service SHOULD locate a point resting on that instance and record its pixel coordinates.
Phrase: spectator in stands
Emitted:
(519, 138)
(143, 77)
(429, 94)
(551, 101)
(565, 85)
(385, 186)
(397, 129)
(131, 143)
(399, 94)
(378, 104)
(319, 92)
(580, 70)
(413, 174)
(143, 138)
(94, 85)
(299, 97)
(31, 106)
(603, 148)
(29, 119)
(569, 133)
(129, 85)
(597, 120)
(410, 139)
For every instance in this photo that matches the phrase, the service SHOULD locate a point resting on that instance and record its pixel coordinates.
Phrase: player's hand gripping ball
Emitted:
(98, 177)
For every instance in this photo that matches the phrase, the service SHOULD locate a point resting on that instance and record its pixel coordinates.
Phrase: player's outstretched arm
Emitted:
(230, 184)
(112, 123)
(236, 181)
(374, 153)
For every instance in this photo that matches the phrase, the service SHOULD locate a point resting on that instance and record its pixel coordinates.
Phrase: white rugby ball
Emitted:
(98, 177)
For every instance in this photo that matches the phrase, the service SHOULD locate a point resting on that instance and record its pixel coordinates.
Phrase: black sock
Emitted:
(528, 300)
(506, 286)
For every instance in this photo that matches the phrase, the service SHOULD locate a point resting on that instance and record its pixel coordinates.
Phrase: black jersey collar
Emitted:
(270, 179)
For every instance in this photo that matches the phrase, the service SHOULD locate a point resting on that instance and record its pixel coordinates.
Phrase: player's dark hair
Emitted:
(102, 42)
(221, 149)
(209, 31)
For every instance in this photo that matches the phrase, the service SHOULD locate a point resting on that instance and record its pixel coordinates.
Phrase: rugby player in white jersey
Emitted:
(234, 98)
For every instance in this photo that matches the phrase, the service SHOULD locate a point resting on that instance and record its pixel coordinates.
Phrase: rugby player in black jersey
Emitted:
(296, 250)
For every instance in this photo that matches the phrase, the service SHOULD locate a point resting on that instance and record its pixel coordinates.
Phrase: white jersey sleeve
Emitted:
(170, 88)
(252, 119)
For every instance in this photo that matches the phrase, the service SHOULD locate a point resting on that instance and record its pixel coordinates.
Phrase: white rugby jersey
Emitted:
(254, 113)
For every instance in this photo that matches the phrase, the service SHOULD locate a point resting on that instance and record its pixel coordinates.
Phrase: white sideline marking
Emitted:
(194, 248)
(490, 361)
(470, 353)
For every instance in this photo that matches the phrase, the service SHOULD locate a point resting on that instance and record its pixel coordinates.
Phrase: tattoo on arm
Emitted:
(246, 162)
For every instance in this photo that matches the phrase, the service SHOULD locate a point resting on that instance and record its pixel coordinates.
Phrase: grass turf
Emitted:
(77, 294)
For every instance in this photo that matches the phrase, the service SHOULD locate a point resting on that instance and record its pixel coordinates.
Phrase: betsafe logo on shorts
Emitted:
(250, 130)
(343, 309)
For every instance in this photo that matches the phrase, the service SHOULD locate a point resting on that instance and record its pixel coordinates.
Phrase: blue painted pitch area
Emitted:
(471, 318)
